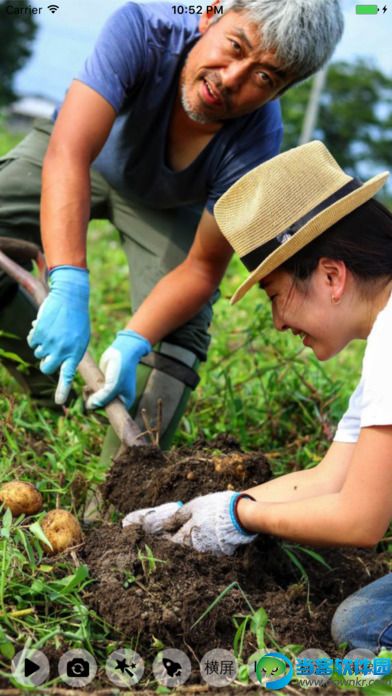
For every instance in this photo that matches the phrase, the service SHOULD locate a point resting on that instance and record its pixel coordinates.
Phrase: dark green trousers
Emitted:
(154, 242)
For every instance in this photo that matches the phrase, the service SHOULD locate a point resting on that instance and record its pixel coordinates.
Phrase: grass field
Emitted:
(258, 385)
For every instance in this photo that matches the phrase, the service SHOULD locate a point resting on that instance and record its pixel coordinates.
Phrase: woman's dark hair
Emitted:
(362, 240)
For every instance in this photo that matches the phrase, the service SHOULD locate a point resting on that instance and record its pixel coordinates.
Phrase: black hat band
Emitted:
(257, 256)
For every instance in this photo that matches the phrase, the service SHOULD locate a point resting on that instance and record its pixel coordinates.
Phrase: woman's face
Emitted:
(318, 310)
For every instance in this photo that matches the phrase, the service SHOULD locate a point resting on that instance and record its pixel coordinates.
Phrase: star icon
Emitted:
(126, 669)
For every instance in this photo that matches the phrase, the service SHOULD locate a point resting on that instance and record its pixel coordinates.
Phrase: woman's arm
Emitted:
(327, 477)
(357, 514)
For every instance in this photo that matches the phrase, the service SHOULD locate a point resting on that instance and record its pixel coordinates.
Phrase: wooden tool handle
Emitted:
(119, 418)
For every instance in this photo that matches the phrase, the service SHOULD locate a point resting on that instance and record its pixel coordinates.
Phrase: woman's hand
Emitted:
(152, 519)
(208, 523)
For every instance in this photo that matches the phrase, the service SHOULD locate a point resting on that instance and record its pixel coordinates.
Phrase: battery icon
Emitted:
(366, 9)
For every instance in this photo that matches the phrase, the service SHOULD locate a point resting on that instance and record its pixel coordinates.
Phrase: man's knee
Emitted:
(20, 185)
(20, 191)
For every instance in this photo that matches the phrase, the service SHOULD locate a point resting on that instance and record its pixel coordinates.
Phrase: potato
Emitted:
(62, 530)
(21, 497)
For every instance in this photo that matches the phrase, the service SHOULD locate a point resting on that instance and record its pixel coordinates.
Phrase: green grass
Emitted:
(258, 385)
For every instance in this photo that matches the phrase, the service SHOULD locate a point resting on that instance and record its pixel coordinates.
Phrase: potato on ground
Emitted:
(62, 530)
(21, 497)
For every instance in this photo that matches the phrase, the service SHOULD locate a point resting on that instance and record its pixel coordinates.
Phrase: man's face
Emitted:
(227, 73)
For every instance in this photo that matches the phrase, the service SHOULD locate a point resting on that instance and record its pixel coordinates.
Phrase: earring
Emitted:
(335, 300)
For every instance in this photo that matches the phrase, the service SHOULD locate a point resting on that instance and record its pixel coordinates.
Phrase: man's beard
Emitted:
(193, 115)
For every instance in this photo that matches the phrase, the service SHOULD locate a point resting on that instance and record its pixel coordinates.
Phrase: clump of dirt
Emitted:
(147, 476)
(169, 595)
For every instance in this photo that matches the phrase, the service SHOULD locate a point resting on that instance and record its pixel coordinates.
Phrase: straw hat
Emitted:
(283, 204)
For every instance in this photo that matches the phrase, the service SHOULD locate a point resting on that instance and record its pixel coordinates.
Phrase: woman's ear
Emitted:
(206, 17)
(334, 276)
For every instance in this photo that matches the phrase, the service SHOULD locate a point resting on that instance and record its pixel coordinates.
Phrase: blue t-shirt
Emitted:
(135, 66)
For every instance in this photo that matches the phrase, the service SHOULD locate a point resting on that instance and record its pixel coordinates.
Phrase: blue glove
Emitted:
(119, 363)
(61, 331)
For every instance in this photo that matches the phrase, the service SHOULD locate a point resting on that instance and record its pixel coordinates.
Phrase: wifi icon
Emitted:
(53, 8)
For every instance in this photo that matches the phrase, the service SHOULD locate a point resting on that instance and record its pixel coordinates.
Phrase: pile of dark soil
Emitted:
(164, 600)
(147, 476)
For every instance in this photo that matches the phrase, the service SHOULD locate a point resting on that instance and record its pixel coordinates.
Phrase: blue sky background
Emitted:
(66, 37)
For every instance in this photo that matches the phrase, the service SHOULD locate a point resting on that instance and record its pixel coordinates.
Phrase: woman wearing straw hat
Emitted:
(320, 246)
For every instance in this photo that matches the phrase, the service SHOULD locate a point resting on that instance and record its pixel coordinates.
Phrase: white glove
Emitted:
(152, 519)
(209, 523)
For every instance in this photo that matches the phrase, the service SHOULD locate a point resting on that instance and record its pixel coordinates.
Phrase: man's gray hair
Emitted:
(303, 33)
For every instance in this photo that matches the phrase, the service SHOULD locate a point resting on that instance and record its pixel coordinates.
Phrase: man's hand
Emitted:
(119, 363)
(152, 519)
(208, 523)
(61, 331)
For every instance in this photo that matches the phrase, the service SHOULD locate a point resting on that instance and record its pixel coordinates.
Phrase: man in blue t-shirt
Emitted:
(167, 113)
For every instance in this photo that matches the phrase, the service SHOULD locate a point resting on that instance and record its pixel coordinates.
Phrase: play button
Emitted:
(30, 668)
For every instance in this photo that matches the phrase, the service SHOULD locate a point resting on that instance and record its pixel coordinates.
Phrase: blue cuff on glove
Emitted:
(144, 344)
(74, 274)
(233, 512)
